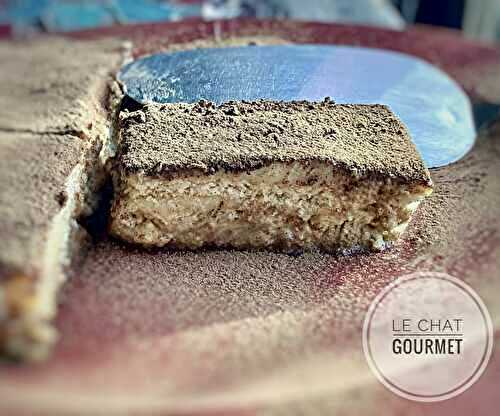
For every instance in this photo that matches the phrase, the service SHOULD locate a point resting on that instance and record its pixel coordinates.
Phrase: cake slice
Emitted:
(53, 132)
(278, 175)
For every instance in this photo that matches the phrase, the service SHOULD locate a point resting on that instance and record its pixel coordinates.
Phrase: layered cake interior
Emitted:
(285, 176)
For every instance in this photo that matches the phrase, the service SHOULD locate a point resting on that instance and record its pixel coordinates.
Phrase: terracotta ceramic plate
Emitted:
(239, 333)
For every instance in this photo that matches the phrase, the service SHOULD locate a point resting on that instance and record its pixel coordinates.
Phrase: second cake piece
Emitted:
(276, 175)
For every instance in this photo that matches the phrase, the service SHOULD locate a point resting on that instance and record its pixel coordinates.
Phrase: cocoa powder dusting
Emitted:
(364, 140)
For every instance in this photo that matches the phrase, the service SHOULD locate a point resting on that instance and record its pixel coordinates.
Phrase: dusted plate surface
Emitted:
(433, 107)
(225, 333)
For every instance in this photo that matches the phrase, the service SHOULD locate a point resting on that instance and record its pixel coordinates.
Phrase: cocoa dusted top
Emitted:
(366, 140)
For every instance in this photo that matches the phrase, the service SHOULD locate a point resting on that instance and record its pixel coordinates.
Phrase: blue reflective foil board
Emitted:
(434, 108)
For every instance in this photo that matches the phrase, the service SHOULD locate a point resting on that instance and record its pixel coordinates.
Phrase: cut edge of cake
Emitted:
(29, 291)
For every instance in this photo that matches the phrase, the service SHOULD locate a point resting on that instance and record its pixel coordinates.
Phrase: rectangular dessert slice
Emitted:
(53, 126)
(285, 176)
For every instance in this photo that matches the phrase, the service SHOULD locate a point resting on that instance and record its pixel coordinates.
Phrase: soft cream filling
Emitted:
(285, 206)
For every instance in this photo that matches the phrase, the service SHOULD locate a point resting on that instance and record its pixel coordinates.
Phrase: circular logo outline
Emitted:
(478, 370)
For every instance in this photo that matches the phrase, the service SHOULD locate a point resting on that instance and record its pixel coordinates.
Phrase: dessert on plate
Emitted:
(56, 98)
(267, 175)
(279, 175)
